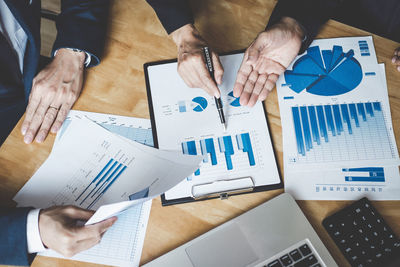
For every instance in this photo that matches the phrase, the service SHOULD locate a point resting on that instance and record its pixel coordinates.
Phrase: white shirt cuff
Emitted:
(32, 232)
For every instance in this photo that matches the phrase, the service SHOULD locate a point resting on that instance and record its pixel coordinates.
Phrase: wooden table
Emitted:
(117, 86)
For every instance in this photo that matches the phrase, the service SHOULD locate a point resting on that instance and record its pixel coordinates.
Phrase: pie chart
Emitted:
(234, 101)
(199, 103)
(325, 73)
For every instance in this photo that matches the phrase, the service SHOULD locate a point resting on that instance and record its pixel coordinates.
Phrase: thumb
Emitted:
(218, 69)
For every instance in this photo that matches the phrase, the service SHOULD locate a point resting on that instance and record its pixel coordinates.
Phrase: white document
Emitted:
(122, 244)
(187, 119)
(93, 167)
(338, 137)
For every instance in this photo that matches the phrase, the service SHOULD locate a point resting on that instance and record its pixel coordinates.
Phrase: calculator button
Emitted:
(310, 260)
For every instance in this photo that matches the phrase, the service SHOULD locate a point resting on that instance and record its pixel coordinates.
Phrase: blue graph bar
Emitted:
(189, 148)
(107, 180)
(100, 180)
(182, 106)
(375, 174)
(314, 125)
(207, 146)
(364, 179)
(306, 128)
(322, 124)
(361, 111)
(377, 106)
(329, 118)
(338, 119)
(353, 114)
(298, 132)
(108, 186)
(244, 143)
(226, 146)
(95, 178)
(369, 109)
(346, 117)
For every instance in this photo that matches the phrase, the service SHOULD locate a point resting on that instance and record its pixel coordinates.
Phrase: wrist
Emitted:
(186, 34)
(71, 54)
(294, 27)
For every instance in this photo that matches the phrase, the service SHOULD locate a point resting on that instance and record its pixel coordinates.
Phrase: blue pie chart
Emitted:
(199, 103)
(234, 101)
(325, 73)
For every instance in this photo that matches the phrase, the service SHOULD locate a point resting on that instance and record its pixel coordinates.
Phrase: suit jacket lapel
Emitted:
(28, 16)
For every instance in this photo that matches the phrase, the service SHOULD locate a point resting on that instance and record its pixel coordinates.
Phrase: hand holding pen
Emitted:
(218, 102)
(191, 61)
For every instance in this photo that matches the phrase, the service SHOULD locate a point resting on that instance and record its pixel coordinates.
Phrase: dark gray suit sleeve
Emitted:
(173, 14)
(311, 14)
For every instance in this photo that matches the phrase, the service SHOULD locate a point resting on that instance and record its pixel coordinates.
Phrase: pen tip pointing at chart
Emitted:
(224, 125)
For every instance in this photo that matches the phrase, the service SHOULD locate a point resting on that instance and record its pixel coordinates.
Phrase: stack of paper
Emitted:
(338, 139)
(91, 167)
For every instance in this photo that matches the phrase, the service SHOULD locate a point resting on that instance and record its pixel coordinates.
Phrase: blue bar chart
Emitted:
(101, 183)
(351, 131)
(223, 152)
(366, 174)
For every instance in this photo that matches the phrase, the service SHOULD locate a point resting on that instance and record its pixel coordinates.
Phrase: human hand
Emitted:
(396, 59)
(54, 90)
(266, 58)
(59, 231)
(191, 62)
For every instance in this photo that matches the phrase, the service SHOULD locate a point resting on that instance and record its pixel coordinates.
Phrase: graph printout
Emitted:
(187, 119)
(122, 244)
(337, 132)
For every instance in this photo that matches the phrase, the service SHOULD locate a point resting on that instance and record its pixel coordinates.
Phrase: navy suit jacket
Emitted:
(82, 25)
(376, 16)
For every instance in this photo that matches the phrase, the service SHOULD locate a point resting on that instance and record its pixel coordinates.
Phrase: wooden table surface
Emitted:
(117, 86)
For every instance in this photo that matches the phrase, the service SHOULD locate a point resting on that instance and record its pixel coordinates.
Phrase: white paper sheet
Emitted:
(356, 155)
(187, 119)
(122, 244)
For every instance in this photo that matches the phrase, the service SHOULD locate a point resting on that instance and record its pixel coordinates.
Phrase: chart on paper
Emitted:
(341, 132)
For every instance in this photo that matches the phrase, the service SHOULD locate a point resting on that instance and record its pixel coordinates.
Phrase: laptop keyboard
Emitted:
(299, 255)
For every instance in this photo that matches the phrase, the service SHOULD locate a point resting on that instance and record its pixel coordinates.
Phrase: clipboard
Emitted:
(228, 186)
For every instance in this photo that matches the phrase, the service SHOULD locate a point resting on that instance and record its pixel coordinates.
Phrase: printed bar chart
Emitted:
(189, 148)
(244, 143)
(349, 132)
(226, 147)
(220, 151)
(366, 174)
(101, 183)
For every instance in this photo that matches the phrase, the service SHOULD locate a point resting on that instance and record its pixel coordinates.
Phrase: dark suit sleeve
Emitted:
(311, 14)
(13, 242)
(173, 14)
(82, 24)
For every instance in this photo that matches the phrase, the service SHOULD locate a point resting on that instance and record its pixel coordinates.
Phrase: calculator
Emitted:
(363, 236)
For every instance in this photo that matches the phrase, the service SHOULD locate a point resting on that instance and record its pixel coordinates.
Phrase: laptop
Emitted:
(275, 233)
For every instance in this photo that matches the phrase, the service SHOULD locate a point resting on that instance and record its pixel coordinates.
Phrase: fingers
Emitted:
(218, 69)
(269, 85)
(248, 88)
(242, 76)
(77, 213)
(396, 58)
(257, 90)
(94, 230)
(192, 69)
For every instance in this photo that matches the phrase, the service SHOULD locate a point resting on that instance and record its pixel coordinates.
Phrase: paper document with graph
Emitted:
(338, 138)
(187, 119)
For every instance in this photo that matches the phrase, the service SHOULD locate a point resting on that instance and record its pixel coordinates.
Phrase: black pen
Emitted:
(218, 101)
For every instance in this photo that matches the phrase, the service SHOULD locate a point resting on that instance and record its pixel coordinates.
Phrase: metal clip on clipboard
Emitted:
(223, 188)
